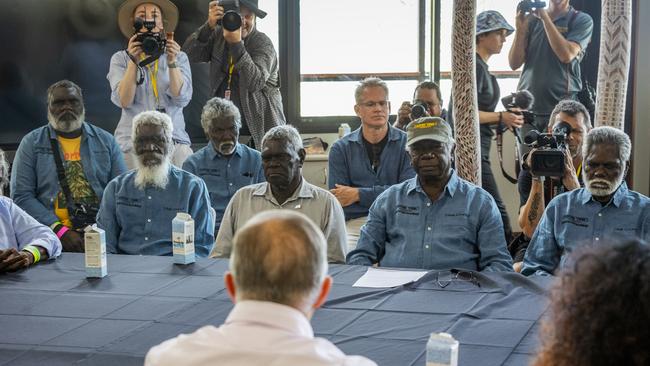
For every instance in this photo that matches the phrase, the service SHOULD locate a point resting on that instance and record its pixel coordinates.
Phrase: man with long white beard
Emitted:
(138, 206)
(67, 198)
(605, 210)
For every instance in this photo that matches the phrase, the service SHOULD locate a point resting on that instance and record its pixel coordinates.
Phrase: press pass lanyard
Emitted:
(153, 72)
(231, 68)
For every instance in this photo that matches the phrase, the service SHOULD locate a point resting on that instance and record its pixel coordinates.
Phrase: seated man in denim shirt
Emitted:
(23, 240)
(604, 210)
(435, 220)
(90, 158)
(225, 165)
(138, 206)
(370, 159)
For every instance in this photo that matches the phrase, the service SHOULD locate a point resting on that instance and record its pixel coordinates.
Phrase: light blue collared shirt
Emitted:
(140, 221)
(224, 175)
(575, 218)
(34, 182)
(462, 229)
(144, 99)
(18, 229)
(349, 165)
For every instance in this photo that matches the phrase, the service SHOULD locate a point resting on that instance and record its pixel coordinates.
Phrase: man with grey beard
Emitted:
(604, 210)
(138, 206)
(224, 164)
(89, 157)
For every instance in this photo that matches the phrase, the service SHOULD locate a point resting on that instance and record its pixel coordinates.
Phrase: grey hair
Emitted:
(609, 136)
(4, 171)
(219, 108)
(572, 108)
(369, 83)
(153, 118)
(63, 84)
(279, 256)
(286, 133)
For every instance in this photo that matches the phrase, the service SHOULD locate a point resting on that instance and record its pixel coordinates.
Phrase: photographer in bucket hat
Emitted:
(152, 73)
(243, 64)
(436, 220)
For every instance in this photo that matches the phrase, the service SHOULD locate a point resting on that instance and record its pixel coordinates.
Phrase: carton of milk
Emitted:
(95, 245)
(442, 350)
(183, 238)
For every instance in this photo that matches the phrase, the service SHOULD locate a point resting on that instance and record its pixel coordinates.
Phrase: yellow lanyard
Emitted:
(231, 68)
(578, 171)
(154, 80)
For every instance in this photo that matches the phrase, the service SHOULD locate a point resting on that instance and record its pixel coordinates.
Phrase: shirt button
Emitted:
(597, 238)
(600, 214)
(429, 228)
(148, 220)
(230, 184)
(149, 197)
(146, 238)
(228, 165)
(426, 246)
(428, 204)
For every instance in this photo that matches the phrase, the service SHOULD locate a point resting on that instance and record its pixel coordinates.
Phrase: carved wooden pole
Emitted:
(463, 78)
(614, 63)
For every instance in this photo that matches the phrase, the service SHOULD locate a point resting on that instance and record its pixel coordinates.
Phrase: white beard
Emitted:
(603, 192)
(156, 176)
(66, 126)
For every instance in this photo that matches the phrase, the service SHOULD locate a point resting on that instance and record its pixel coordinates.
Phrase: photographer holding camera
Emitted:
(550, 44)
(151, 74)
(558, 158)
(427, 102)
(61, 170)
(243, 64)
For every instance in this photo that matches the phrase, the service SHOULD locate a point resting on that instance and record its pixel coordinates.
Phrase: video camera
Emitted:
(527, 6)
(153, 43)
(231, 20)
(548, 158)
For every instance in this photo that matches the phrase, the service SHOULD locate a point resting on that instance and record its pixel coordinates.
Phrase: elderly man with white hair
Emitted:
(138, 206)
(604, 210)
(274, 301)
(224, 164)
(23, 240)
(282, 158)
(61, 169)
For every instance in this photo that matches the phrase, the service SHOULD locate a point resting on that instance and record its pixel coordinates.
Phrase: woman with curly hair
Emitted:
(600, 309)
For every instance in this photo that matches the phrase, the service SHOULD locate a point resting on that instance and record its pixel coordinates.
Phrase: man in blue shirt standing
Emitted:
(604, 210)
(225, 165)
(138, 206)
(366, 162)
(435, 220)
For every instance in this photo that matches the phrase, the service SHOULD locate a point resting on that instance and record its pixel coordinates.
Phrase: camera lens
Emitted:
(231, 21)
(418, 110)
(149, 45)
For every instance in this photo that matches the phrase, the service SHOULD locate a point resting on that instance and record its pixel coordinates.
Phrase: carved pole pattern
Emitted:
(463, 77)
(614, 63)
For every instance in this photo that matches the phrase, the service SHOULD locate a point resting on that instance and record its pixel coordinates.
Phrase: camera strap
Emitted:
(499, 139)
(231, 68)
(63, 181)
(153, 72)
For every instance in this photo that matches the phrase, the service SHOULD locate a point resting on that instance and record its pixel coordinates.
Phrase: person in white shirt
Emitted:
(277, 279)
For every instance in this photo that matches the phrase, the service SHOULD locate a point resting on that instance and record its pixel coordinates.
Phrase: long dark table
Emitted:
(52, 315)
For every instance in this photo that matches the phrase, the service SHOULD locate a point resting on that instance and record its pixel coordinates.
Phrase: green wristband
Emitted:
(35, 252)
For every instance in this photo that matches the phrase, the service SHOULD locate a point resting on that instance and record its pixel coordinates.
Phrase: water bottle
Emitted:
(344, 129)
(442, 350)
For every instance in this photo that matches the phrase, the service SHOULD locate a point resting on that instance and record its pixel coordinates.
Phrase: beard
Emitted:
(152, 175)
(610, 187)
(66, 125)
(226, 147)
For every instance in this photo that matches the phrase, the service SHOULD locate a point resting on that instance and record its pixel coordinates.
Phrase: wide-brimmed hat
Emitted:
(428, 128)
(491, 20)
(252, 5)
(125, 15)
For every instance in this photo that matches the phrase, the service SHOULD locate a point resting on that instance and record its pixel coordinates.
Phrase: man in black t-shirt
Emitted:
(535, 192)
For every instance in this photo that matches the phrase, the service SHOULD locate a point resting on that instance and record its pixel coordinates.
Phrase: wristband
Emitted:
(54, 226)
(500, 117)
(62, 231)
(34, 251)
(172, 65)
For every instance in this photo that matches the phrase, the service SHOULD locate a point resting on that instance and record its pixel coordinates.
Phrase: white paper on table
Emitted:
(378, 277)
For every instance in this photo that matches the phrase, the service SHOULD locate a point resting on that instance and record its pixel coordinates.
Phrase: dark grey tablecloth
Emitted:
(52, 315)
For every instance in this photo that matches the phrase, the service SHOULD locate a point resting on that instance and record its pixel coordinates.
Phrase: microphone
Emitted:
(523, 99)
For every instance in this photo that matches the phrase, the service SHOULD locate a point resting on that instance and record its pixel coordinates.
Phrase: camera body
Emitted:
(548, 158)
(153, 43)
(522, 100)
(83, 215)
(231, 20)
(527, 6)
(419, 109)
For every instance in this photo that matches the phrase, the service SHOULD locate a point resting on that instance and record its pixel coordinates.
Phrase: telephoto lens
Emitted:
(418, 110)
